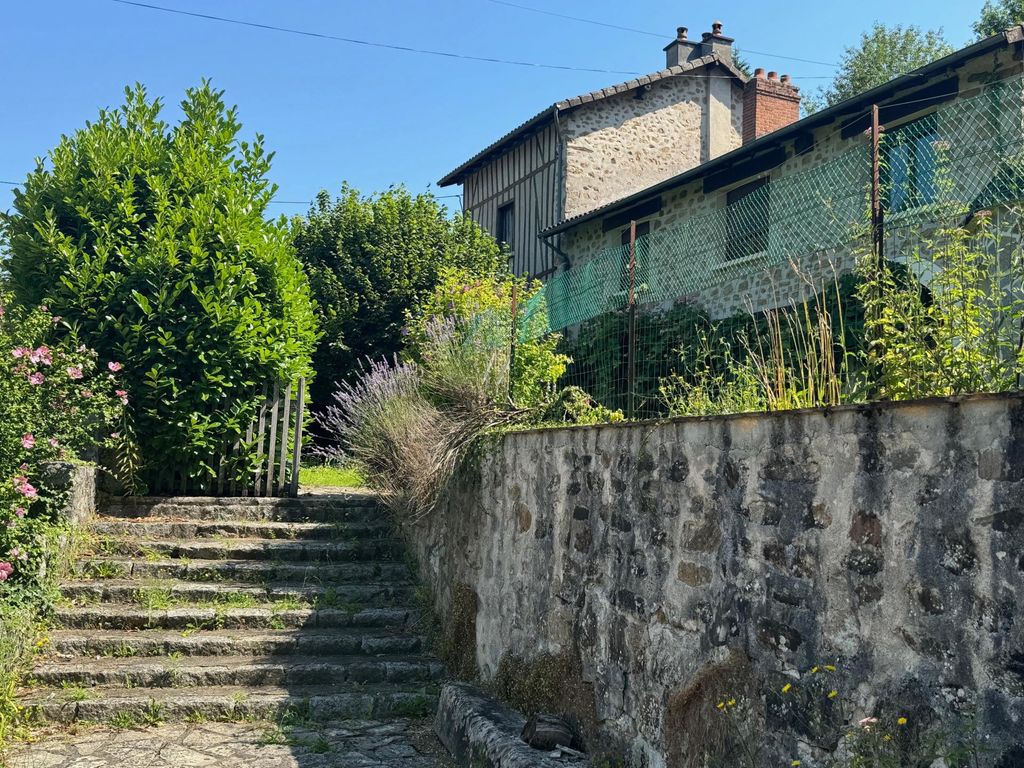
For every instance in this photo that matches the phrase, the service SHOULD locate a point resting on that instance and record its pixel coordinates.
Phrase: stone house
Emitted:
(726, 232)
(588, 151)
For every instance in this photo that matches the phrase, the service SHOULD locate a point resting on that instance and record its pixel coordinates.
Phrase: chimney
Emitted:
(768, 104)
(681, 49)
(715, 42)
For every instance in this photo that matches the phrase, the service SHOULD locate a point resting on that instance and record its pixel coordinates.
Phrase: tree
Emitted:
(372, 259)
(883, 54)
(151, 242)
(998, 16)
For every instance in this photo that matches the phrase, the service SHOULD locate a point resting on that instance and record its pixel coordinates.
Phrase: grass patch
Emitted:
(327, 476)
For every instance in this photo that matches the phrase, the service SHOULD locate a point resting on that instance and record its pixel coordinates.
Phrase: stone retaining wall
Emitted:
(664, 565)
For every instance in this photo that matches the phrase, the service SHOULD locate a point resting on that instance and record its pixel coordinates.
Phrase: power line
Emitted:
(407, 49)
(10, 183)
(644, 31)
(371, 43)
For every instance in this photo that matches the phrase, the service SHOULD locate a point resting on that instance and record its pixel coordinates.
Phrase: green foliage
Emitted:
(947, 321)
(574, 406)
(805, 355)
(58, 402)
(883, 53)
(998, 16)
(151, 241)
(479, 309)
(370, 260)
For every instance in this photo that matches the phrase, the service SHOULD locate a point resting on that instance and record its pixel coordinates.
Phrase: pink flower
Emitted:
(123, 395)
(2, 310)
(28, 441)
(20, 352)
(36, 378)
(86, 393)
(74, 372)
(24, 487)
(19, 511)
(116, 435)
(6, 569)
(114, 366)
(41, 355)
(17, 554)
(54, 442)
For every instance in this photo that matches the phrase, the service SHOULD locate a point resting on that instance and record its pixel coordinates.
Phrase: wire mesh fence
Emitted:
(784, 296)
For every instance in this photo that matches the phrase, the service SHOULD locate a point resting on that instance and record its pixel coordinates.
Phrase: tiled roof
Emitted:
(541, 118)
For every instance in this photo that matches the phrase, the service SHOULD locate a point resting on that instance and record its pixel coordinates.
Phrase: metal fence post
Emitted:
(631, 328)
(877, 248)
(513, 335)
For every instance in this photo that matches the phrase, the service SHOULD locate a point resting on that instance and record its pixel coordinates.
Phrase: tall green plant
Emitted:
(370, 261)
(151, 240)
(946, 319)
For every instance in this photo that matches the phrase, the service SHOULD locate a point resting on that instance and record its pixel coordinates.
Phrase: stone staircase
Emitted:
(200, 610)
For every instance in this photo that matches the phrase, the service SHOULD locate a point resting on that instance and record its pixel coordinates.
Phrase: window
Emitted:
(506, 225)
(908, 172)
(746, 218)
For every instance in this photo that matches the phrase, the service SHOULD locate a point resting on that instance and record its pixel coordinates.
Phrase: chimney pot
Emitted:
(768, 104)
(716, 28)
(681, 33)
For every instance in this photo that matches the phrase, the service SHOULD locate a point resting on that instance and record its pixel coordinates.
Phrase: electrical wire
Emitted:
(645, 32)
(408, 49)
(371, 43)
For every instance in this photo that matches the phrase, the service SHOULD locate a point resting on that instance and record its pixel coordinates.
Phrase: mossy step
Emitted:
(242, 529)
(140, 706)
(165, 593)
(196, 671)
(354, 507)
(195, 619)
(67, 644)
(255, 549)
(244, 570)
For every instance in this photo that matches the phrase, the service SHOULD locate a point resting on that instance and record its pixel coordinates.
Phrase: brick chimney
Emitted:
(682, 49)
(769, 103)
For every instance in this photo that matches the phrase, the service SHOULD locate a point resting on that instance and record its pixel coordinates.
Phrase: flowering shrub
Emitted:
(58, 402)
(153, 240)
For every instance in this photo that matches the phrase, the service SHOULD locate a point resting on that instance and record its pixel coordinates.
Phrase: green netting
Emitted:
(965, 156)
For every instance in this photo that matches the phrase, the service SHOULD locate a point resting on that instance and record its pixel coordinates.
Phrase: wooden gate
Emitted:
(277, 432)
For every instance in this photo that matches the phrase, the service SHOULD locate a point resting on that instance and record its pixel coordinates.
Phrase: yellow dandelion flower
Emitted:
(796, 762)
(786, 687)
(888, 737)
(833, 693)
(830, 668)
(814, 670)
(901, 721)
(721, 705)
(731, 703)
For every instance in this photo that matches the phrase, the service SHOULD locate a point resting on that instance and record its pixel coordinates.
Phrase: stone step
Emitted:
(202, 671)
(194, 619)
(66, 644)
(242, 529)
(244, 570)
(255, 549)
(355, 506)
(148, 706)
(166, 593)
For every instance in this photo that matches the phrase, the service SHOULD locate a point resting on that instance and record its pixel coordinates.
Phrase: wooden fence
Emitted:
(275, 433)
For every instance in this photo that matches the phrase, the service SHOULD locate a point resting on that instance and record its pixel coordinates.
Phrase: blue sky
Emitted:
(375, 117)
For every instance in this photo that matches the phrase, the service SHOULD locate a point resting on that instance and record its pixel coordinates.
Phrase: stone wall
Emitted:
(622, 144)
(664, 565)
